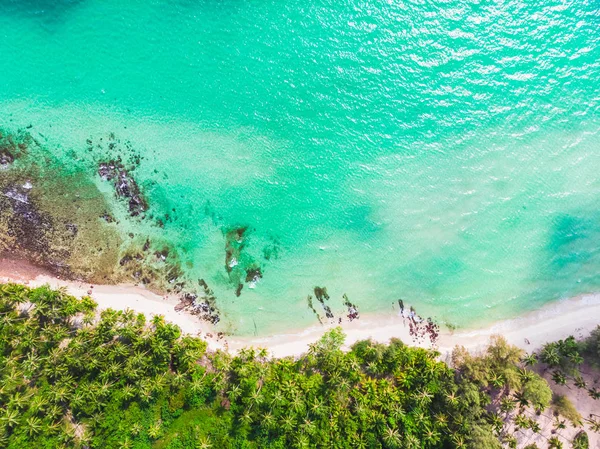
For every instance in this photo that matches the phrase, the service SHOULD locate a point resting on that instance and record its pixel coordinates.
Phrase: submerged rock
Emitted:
(234, 245)
(6, 158)
(253, 274)
(309, 299)
(240, 266)
(352, 308)
(322, 296)
(125, 185)
(202, 306)
(13, 146)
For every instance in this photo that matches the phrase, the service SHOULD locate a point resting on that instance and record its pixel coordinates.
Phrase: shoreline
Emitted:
(556, 320)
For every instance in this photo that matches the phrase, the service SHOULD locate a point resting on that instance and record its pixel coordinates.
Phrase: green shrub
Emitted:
(537, 392)
(581, 441)
(564, 407)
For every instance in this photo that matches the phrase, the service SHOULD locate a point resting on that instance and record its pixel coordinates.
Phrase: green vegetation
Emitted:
(562, 354)
(69, 379)
(590, 348)
(565, 408)
(581, 441)
(502, 372)
(565, 358)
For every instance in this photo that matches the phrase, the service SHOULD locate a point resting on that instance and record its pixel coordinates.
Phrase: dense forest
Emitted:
(73, 378)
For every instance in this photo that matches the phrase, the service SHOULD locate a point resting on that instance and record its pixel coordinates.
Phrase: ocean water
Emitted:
(446, 153)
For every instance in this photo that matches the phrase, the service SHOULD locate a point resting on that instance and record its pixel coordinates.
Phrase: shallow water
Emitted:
(446, 154)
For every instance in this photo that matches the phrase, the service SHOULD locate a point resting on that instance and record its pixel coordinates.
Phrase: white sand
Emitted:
(117, 297)
(557, 320)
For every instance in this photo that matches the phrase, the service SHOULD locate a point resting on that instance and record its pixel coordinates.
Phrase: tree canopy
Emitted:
(72, 379)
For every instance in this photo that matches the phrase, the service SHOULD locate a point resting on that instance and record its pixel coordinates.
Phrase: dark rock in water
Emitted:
(174, 273)
(162, 255)
(108, 218)
(201, 306)
(238, 233)
(229, 259)
(6, 158)
(312, 307)
(240, 266)
(125, 185)
(72, 228)
(238, 290)
(28, 225)
(234, 244)
(253, 274)
(352, 309)
(321, 294)
(421, 329)
(106, 171)
(271, 251)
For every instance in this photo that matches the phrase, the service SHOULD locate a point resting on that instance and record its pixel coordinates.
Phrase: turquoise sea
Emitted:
(446, 153)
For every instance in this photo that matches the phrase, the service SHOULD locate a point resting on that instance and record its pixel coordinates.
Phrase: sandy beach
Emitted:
(559, 319)
(556, 320)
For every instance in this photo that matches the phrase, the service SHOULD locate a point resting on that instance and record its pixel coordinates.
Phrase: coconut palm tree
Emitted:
(550, 355)
(155, 430)
(530, 359)
(594, 393)
(288, 423)
(10, 418)
(203, 443)
(559, 378)
(34, 425)
(411, 442)
(391, 438)
(580, 382)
